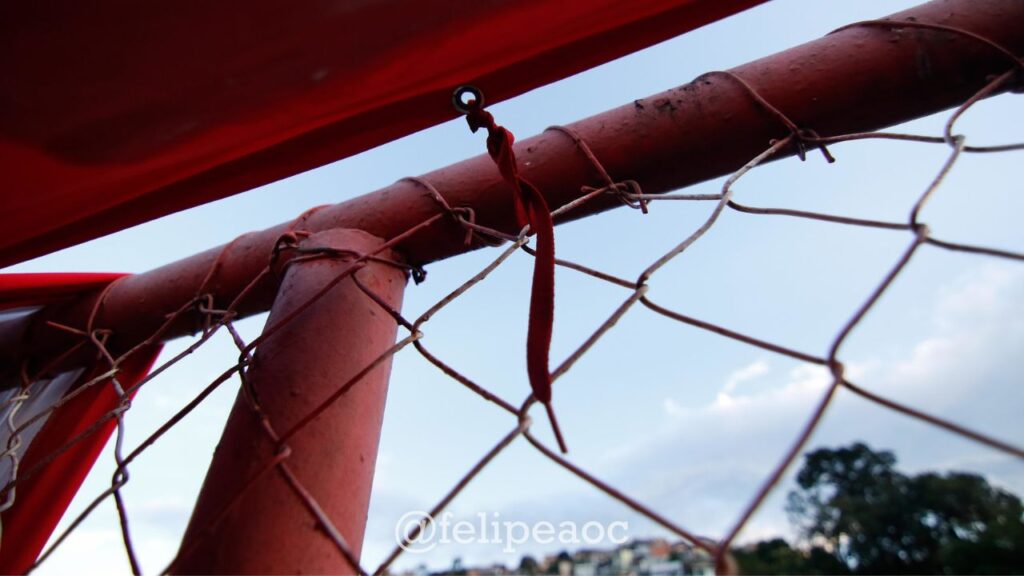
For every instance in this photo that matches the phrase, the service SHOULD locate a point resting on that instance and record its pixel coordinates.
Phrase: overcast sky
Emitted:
(686, 421)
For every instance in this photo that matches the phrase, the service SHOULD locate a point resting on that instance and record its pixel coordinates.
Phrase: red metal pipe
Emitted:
(268, 529)
(858, 79)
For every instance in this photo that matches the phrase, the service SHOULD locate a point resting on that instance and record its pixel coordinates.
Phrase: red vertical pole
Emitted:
(268, 529)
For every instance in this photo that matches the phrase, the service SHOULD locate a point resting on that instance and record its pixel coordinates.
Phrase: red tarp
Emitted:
(49, 487)
(45, 491)
(113, 112)
(18, 290)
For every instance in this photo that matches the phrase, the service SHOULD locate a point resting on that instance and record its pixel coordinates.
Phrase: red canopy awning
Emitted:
(58, 452)
(113, 113)
(20, 290)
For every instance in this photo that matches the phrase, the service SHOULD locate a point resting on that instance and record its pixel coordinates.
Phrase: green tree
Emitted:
(528, 565)
(978, 527)
(874, 519)
(563, 556)
(776, 556)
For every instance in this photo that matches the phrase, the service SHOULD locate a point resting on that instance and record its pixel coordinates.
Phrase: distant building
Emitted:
(493, 570)
(622, 560)
(650, 557)
(592, 563)
(653, 567)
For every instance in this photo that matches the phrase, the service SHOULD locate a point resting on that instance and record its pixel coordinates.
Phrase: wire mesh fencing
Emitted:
(217, 317)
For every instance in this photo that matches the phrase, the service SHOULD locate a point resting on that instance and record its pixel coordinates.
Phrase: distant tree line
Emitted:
(856, 514)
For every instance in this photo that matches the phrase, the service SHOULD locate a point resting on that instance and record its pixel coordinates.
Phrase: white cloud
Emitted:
(704, 470)
(100, 551)
(748, 372)
(672, 408)
(981, 295)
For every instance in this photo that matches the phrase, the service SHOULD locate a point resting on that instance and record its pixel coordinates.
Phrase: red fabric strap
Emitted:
(532, 209)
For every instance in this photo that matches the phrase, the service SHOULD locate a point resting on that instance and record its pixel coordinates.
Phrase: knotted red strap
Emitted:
(533, 210)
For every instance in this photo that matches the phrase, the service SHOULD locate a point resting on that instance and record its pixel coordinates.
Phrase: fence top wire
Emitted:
(216, 317)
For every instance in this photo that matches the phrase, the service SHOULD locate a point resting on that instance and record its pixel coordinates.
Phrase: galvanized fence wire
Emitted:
(211, 319)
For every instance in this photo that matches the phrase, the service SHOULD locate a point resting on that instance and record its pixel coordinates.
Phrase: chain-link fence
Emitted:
(415, 332)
